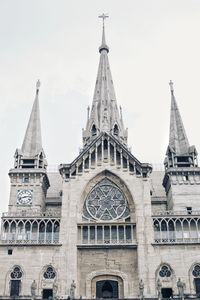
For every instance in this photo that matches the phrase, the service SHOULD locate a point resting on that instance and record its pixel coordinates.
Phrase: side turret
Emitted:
(29, 181)
(181, 166)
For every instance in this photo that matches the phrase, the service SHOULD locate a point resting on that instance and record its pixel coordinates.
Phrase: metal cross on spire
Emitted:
(103, 17)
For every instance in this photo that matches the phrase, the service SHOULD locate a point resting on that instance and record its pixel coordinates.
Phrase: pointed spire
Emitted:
(32, 144)
(178, 140)
(179, 152)
(104, 113)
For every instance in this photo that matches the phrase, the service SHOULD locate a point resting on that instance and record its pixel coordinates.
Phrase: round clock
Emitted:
(24, 197)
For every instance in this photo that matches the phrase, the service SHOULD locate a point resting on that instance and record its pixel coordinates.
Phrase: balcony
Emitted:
(106, 236)
(32, 213)
(28, 238)
(30, 230)
(174, 229)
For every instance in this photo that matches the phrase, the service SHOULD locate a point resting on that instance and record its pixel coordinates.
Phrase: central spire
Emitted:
(104, 115)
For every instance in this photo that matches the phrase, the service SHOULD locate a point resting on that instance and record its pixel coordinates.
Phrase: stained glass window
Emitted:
(165, 271)
(106, 202)
(49, 273)
(196, 271)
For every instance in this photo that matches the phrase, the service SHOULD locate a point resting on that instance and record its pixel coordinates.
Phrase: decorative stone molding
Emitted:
(111, 272)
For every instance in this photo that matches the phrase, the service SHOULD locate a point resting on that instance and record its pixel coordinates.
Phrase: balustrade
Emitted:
(30, 231)
(176, 229)
(106, 234)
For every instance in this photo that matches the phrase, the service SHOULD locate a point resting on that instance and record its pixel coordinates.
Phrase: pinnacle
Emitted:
(32, 144)
(178, 140)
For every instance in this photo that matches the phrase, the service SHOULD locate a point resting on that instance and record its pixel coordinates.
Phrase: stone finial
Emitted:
(88, 112)
(171, 84)
(38, 84)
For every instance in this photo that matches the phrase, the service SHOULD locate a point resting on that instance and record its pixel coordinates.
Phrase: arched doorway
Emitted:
(15, 282)
(107, 289)
(196, 276)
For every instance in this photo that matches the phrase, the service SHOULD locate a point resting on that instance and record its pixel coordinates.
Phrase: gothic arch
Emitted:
(116, 129)
(191, 277)
(47, 282)
(168, 280)
(116, 180)
(8, 279)
(113, 274)
(94, 130)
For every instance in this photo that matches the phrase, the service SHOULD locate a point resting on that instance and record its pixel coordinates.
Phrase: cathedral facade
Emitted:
(105, 225)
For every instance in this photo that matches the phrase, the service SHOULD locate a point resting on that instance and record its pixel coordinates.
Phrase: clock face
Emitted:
(24, 197)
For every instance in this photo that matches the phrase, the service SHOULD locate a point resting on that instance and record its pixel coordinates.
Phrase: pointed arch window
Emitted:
(15, 281)
(106, 202)
(116, 130)
(94, 130)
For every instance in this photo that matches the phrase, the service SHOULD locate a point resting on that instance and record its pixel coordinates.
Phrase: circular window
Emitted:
(106, 202)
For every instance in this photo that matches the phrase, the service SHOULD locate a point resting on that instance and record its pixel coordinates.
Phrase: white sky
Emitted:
(151, 42)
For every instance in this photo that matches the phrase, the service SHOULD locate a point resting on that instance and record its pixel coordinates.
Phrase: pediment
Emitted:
(105, 149)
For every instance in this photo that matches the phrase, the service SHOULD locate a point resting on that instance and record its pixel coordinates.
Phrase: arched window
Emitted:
(15, 282)
(94, 130)
(106, 202)
(165, 271)
(116, 130)
(49, 273)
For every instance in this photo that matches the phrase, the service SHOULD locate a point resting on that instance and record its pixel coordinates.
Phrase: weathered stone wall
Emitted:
(32, 260)
(103, 263)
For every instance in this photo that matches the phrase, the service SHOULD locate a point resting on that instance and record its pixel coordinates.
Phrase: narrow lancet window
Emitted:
(94, 130)
(116, 130)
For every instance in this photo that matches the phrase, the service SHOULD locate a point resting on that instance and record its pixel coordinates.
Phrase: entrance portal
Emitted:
(107, 289)
(15, 288)
(47, 294)
(197, 285)
(166, 292)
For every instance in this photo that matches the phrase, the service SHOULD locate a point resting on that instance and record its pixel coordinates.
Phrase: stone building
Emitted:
(105, 221)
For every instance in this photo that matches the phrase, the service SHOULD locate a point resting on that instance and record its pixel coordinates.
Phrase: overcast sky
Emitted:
(56, 41)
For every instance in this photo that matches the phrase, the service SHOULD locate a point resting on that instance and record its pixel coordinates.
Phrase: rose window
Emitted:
(106, 202)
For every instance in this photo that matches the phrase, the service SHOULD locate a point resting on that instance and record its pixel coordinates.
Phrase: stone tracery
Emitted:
(16, 273)
(49, 272)
(106, 202)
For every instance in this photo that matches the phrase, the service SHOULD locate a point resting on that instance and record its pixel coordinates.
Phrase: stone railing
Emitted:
(106, 234)
(32, 213)
(30, 239)
(177, 213)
